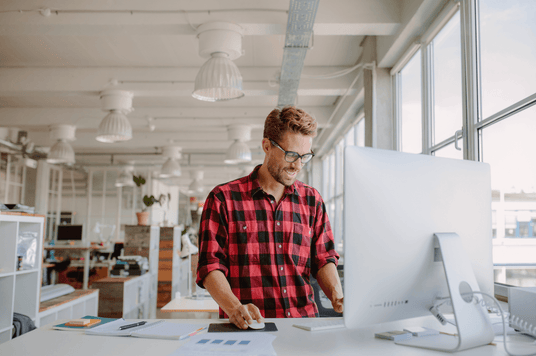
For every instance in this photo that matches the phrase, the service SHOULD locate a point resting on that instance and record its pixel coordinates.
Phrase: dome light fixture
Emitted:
(125, 177)
(239, 151)
(62, 152)
(219, 78)
(115, 126)
(196, 187)
(171, 168)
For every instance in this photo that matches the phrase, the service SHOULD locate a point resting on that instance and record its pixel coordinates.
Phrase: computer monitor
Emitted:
(69, 233)
(394, 203)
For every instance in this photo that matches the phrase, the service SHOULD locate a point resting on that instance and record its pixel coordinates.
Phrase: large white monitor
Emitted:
(393, 204)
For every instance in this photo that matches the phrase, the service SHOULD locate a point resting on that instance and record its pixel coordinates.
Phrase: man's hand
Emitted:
(243, 315)
(337, 301)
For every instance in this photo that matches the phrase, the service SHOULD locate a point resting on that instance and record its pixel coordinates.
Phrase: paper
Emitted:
(112, 328)
(244, 344)
(168, 330)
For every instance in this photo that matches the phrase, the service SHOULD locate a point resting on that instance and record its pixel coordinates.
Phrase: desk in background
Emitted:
(189, 305)
(290, 341)
(86, 251)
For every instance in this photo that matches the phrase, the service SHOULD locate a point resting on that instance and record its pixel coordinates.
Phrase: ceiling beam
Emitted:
(166, 120)
(133, 18)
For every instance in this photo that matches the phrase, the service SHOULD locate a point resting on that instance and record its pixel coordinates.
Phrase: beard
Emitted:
(280, 174)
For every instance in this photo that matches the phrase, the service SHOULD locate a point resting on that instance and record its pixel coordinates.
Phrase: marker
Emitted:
(132, 325)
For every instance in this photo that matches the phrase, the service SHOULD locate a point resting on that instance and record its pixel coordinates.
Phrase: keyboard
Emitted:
(317, 325)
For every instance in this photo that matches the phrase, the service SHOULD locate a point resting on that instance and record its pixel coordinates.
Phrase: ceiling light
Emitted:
(115, 127)
(239, 151)
(125, 177)
(61, 152)
(219, 78)
(196, 187)
(171, 168)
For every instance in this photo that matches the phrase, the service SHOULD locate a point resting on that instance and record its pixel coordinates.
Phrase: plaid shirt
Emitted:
(267, 251)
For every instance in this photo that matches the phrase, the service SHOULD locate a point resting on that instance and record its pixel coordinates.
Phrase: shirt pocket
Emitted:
(299, 246)
(243, 244)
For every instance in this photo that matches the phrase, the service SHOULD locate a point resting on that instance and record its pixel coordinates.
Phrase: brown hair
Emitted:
(290, 119)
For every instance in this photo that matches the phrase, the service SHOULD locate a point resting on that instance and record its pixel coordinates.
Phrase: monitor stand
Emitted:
(472, 321)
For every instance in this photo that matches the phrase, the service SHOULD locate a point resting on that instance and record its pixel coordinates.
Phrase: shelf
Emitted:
(6, 296)
(26, 271)
(8, 241)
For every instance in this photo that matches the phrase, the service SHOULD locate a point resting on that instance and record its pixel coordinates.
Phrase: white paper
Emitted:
(112, 328)
(167, 330)
(241, 343)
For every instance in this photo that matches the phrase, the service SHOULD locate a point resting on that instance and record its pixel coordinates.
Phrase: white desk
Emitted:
(290, 341)
(188, 304)
(85, 249)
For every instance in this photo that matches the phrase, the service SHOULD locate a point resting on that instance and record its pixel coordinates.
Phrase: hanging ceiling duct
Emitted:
(301, 18)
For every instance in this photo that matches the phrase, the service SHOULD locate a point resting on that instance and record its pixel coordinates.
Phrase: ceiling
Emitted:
(52, 69)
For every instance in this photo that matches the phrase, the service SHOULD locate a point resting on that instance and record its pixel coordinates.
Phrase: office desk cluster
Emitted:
(289, 341)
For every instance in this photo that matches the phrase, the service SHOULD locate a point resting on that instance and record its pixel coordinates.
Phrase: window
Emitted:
(410, 99)
(333, 176)
(506, 131)
(507, 37)
(504, 127)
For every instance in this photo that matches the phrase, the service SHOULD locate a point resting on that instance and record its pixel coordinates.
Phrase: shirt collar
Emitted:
(256, 187)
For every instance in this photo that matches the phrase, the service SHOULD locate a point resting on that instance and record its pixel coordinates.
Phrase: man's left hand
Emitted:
(337, 301)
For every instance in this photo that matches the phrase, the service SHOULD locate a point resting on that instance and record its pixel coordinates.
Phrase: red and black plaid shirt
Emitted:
(266, 250)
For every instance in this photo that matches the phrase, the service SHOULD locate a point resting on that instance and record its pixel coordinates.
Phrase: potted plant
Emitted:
(142, 216)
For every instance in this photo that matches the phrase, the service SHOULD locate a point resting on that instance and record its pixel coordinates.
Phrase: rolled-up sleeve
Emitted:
(213, 251)
(323, 241)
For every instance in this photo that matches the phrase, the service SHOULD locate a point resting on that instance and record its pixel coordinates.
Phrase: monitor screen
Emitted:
(393, 204)
(69, 233)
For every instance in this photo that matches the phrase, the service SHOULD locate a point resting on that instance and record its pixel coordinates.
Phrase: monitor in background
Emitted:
(394, 203)
(69, 233)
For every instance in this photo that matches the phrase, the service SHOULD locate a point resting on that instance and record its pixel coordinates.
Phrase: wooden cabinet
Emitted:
(127, 298)
(20, 284)
(169, 264)
(70, 306)
(145, 241)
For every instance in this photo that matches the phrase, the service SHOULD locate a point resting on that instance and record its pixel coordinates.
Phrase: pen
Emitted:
(198, 331)
(132, 325)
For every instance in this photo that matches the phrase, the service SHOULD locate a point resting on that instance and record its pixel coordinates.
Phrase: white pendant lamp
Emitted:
(125, 177)
(196, 187)
(239, 151)
(62, 152)
(115, 127)
(171, 168)
(219, 78)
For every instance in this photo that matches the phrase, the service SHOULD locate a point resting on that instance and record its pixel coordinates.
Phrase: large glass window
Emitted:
(410, 99)
(447, 81)
(507, 42)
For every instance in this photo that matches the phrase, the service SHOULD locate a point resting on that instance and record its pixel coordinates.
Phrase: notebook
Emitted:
(100, 322)
(170, 331)
(156, 330)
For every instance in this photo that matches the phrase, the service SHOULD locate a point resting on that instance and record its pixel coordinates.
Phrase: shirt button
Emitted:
(271, 201)
(278, 223)
(284, 290)
(279, 246)
(245, 227)
(281, 268)
(288, 313)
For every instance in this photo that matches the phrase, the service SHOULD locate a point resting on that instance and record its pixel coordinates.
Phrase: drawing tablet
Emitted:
(228, 327)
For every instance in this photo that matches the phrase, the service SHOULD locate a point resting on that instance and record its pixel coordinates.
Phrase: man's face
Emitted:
(281, 170)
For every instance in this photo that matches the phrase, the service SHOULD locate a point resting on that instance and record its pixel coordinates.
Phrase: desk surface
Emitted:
(73, 247)
(289, 341)
(185, 304)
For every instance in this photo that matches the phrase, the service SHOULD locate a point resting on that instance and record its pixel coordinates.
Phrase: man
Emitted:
(263, 235)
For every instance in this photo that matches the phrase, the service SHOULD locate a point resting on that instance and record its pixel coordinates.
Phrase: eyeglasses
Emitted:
(291, 156)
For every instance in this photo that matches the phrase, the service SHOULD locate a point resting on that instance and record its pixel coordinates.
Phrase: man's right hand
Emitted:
(243, 315)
